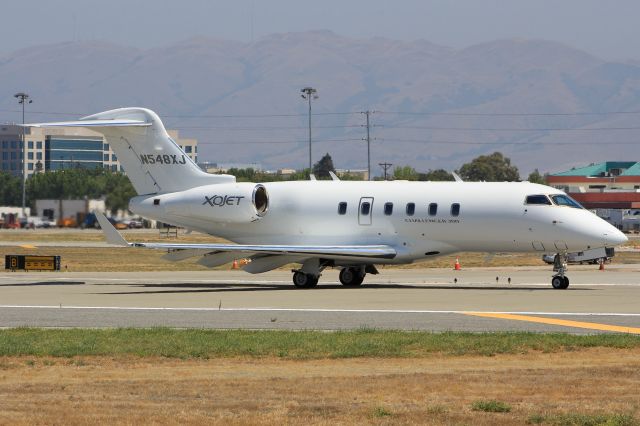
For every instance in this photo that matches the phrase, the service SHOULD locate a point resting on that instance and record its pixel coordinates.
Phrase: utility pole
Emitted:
(368, 139)
(308, 93)
(23, 98)
(385, 166)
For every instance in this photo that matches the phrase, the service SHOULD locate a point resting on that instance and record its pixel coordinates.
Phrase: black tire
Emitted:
(302, 280)
(566, 283)
(558, 282)
(350, 277)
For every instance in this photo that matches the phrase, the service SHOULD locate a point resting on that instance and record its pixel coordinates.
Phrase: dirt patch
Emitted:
(432, 390)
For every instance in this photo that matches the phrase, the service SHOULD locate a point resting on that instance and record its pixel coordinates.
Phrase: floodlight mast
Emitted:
(309, 93)
(23, 99)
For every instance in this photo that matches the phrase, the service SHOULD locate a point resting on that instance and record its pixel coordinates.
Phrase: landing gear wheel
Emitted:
(302, 280)
(351, 277)
(560, 283)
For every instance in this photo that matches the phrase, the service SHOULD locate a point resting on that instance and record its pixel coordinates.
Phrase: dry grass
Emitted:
(435, 390)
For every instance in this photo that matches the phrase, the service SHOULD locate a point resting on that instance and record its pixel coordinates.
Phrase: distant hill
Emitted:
(434, 105)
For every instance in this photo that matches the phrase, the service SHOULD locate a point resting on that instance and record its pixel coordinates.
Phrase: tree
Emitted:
(10, 189)
(322, 168)
(78, 183)
(436, 175)
(405, 173)
(490, 168)
(536, 177)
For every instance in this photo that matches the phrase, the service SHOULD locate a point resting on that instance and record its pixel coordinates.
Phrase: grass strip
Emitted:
(578, 419)
(200, 343)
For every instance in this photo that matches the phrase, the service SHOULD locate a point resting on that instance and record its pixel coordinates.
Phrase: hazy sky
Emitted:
(608, 29)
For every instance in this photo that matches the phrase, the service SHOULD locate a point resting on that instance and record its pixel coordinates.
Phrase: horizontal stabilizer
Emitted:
(93, 123)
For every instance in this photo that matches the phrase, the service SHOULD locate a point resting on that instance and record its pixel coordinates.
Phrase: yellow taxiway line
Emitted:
(555, 321)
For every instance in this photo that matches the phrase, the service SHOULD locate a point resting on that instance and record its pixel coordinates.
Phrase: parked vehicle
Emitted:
(135, 224)
(42, 222)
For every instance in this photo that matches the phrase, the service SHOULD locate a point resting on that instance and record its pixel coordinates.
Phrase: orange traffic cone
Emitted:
(456, 266)
(235, 264)
(601, 266)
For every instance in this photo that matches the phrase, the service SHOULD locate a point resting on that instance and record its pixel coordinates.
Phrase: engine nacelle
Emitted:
(226, 203)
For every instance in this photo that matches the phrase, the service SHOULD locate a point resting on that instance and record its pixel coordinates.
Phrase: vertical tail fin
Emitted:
(152, 160)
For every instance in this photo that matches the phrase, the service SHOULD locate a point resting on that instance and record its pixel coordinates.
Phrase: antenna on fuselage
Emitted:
(457, 177)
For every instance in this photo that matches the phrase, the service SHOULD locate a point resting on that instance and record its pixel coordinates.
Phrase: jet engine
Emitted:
(225, 203)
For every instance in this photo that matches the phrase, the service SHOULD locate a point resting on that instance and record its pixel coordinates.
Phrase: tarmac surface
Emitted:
(407, 299)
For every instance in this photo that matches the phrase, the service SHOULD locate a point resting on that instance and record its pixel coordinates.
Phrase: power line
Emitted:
(266, 142)
(260, 128)
(509, 114)
(424, 141)
(421, 141)
(513, 129)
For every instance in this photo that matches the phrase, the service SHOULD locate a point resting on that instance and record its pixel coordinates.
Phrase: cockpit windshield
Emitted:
(537, 199)
(565, 200)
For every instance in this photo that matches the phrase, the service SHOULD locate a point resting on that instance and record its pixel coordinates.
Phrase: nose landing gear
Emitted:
(559, 280)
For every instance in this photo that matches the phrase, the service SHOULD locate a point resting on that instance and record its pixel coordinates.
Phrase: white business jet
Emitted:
(349, 225)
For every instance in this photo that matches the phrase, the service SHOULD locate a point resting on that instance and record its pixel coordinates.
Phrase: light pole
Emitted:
(23, 99)
(308, 93)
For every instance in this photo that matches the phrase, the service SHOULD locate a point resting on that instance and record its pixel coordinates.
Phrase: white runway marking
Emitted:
(266, 309)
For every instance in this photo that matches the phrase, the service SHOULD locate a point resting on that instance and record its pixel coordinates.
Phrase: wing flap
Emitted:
(260, 264)
(217, 259)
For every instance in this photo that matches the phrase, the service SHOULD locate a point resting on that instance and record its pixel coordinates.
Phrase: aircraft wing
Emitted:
(326, 251)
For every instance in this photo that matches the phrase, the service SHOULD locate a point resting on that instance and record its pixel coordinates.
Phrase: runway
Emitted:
(410, 299)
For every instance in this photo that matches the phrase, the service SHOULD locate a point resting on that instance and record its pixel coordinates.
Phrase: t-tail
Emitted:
(152, 159)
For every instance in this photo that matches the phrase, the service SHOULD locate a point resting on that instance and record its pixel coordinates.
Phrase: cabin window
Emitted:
(565, 200)
(388, 209)
(342, 207)
(411, 209)
(156, 201)
(365, 208)
(433, 209)
(537, 199)
(455, 209)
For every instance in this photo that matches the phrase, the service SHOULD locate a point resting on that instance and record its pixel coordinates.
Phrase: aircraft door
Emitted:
(365, 211)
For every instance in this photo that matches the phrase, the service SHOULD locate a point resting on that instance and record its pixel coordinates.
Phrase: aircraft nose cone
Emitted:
(614, 237)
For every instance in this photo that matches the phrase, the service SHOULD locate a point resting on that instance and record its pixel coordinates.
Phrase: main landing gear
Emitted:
(302, 280)
(559, 280)
(352, 277)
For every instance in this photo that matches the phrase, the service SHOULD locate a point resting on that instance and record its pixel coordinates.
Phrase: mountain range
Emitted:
(543, 104)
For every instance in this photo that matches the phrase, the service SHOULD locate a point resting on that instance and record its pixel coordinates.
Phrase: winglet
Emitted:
(110, 233)
(456, 177)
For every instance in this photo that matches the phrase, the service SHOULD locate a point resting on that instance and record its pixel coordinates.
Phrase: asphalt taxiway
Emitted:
(476, 299)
